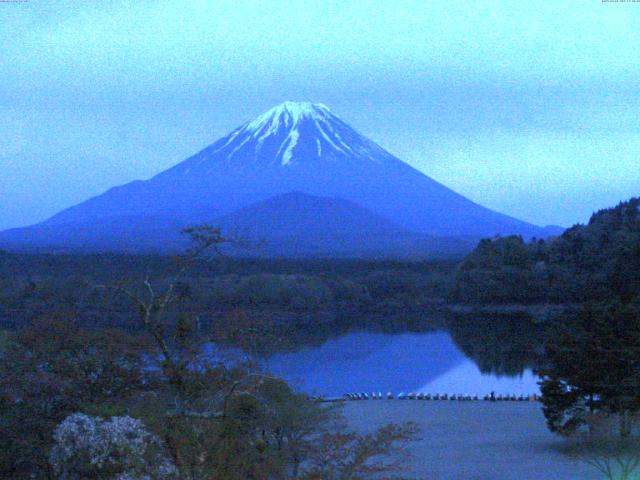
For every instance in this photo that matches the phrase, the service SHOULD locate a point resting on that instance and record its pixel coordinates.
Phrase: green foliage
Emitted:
(47, 372)
(33, 285)
(560, 406)
(591, 366)
(586, 263)
(225, 421)
(218, 421)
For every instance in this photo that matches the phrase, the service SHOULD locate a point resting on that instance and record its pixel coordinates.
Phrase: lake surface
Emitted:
(474, 440)
(428, 362)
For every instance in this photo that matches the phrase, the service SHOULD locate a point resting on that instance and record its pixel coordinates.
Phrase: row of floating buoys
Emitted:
(366, 396)
(511, 398)
(437, 396)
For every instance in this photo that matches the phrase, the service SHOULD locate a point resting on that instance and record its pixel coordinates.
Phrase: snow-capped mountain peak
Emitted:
(290, 114)
(287, 117)
(293, 147)
(291, 133)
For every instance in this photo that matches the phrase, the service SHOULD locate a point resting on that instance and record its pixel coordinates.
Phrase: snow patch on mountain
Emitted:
(291, 142)
(288, 114)
(292, 132)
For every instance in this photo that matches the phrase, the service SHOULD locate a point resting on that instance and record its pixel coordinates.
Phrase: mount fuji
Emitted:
(298, 177)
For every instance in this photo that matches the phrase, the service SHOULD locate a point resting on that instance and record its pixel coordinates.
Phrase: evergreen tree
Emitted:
(593, 366)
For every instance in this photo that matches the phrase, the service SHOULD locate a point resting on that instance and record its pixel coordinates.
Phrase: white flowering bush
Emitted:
(116, 449)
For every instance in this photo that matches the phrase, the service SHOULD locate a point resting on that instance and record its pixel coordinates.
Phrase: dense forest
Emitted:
(285, 291)
(589, 262)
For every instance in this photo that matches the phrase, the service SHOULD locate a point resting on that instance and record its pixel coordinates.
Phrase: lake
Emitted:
(474, 440)
(429, 362)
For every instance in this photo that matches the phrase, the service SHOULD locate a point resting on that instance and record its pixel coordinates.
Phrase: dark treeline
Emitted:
(316, 291)
(112, 265)
(593, 262)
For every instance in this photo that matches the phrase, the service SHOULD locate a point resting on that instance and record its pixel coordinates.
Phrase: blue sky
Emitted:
(530, 108)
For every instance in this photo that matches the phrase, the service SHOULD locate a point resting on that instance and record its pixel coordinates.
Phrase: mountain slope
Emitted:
(289, 225)
(298, 147)
(297, 224)
(124, 233)
(297, 214)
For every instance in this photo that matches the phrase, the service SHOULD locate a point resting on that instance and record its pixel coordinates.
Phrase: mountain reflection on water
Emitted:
(471, 355)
